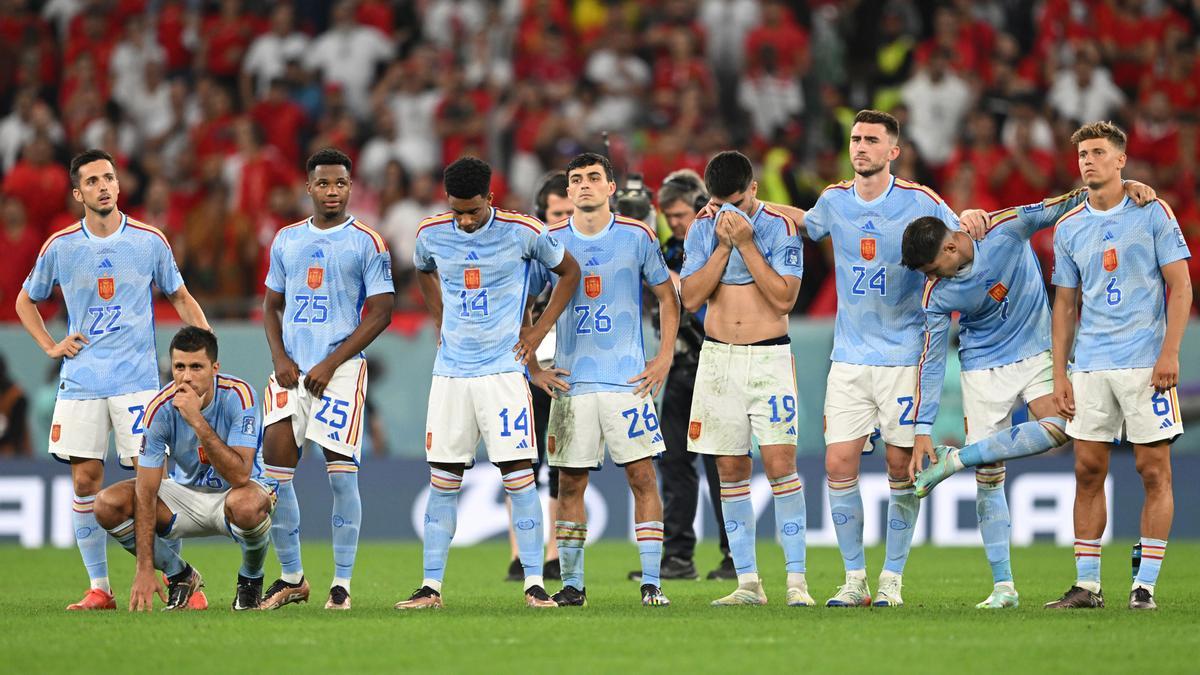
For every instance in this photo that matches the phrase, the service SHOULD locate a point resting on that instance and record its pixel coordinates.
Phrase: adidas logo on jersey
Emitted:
(592, 261)
(870, 227)
(522, 444)
(1108, 235)
(472, 256)
(106, 264)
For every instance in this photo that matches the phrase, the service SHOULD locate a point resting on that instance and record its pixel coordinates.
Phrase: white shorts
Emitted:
(742, 390)
(80, 427)
(496, 408)
(335, 421)
(581, 425)
(1106, 399)
(197, 512)
(860, 399)
(990, 394)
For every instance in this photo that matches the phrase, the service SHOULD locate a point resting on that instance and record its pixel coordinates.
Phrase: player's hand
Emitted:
(651, 380)
(975, 222)
(69, 346)
(922, 448)
(1166, 372)
(287, 373)
(1140, 193)
(527, 344)
(318, 378)
(1064, 397)
(186, 401)
(721, 230)
(710, 209)
(550, 380)
(141, 593)
(740, 230)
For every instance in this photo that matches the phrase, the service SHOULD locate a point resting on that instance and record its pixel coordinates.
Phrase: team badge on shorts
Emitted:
(694, 430)
(1110, 260)
(998, 292)
(428, 441)
(866, 248)
(106, 287)
(55, 433)
(471, 278)
(280, 399)
(316, 277)
(550, 446)
(592, 285)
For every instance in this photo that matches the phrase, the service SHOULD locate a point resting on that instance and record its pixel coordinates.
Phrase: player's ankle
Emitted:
(292, 578)
(1093, 586)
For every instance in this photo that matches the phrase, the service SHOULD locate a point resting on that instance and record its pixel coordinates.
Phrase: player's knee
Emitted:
(113, 506)
(1156, 475)
(246, 508)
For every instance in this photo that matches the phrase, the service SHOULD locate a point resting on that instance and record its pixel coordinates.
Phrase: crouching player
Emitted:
(210, 424)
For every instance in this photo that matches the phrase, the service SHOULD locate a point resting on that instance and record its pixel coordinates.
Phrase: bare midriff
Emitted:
(740, 315)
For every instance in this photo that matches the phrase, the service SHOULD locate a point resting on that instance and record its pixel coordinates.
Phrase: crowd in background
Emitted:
(211, 107)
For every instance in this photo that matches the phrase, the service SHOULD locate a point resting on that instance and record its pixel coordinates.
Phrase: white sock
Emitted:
(534, 580)
(339, 581)
(292, 577)
(796, 580)
(748, 579)
(432, 583)
(856, 575)
(102, 584)
(1093, 586)
(885, 574)
(955, 461)
(1006, 585)
(1148, 587)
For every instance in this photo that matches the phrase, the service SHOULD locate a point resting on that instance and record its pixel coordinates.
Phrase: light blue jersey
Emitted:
(325, 276)
(1004, 316)
(483, 275)
(879, 317)
(231, 413)
(1115, 258)
(107, 285)
(599, 339)
(775, 235)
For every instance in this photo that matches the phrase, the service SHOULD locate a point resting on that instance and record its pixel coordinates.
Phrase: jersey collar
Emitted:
(592, 237)
(121, 229)
(1097, 212)
(488, 223)
(882, 196)
(329, 230)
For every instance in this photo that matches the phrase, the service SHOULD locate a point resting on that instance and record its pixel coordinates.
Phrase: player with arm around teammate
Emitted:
(602, 385)
(106, 265)
(473, 270)
(209, 424)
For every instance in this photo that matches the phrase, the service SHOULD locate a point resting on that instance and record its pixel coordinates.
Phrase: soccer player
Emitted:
(602, 385)
(473, 269)
(1119, 260)
(996, 287)
(746, 263)
(106, 265)
(323, 271)
(876, 346)
(209, 423)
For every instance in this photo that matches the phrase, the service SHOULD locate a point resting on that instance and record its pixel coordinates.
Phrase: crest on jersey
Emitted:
(316, 277)
(106, 287)
(55, 433)
(998, 292)
(694, 430)
(551, 448)
(592, 285)
(280, 399)
(203, 455)
(471, 278)
(1110, 260)
(866, 248)
(428, 441)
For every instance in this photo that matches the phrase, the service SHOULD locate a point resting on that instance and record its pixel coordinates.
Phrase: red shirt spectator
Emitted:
(779, 30)
(21, 244)
(39, 184)
(226, 37)
(376, 14)
(281, 120)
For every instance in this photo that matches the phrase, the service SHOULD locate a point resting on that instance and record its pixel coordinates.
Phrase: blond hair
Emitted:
(1096, 130)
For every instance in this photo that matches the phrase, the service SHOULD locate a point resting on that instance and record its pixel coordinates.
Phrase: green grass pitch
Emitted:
(485, 629)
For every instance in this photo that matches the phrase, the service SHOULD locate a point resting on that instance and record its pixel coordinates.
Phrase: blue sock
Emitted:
(91, 541)
(740, 525)
(995, 524)
(1087, 562)
(1023, 440)
(846, 509)
(1153, 551)
(254, 543)
(649, 535)
(903, 506)
(166, 560)
(441, 519)
(791, 519)
(285, 524)
(527, 523)
(571, 537)
(347, 518)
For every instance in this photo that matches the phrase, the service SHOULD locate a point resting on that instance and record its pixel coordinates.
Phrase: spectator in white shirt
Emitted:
(1085, 92)
(937, 100)
(268, 54)
(347, 54)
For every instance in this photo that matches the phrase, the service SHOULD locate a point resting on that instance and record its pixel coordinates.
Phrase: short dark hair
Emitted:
(1096, 130)
(922, 240)
(589, 158)
(468, 177)
(328, 157)
(728, 172)
(193, 339)
(87, 157)
(553, 183)
(684, 186)
(879, 117)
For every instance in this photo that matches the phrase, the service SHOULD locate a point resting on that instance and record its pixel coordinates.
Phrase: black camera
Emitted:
(635, 201)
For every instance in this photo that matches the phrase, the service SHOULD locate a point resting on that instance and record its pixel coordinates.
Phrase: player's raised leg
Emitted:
(1024, 440)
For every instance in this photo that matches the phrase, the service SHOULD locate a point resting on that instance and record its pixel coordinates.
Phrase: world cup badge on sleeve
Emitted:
(471, 278)
(866, 248)
(1110, 260)
(316, 277)
(592, 285)
(106, 287)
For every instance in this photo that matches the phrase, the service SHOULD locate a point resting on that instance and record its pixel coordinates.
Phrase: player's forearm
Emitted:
(698, 287)
(31, 319)
(377, 318)
(560, 297)
(145, 504)
(232, 466)
(931, 371)
(1062, 329)
(273, 325)
(189, 310)
(769, 283)
(1179, 305)
(431, 292)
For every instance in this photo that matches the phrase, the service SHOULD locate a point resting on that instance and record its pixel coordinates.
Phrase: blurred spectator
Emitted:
(38, 182)
(14, 416)
(1085, 92)
(347, 55)
(621, 76)
(21, 244)
(29, 117)
(268, 54)
(400, 222)
(771, 96)
(937, 100)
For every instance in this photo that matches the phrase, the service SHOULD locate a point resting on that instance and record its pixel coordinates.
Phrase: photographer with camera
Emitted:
(681, 196)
